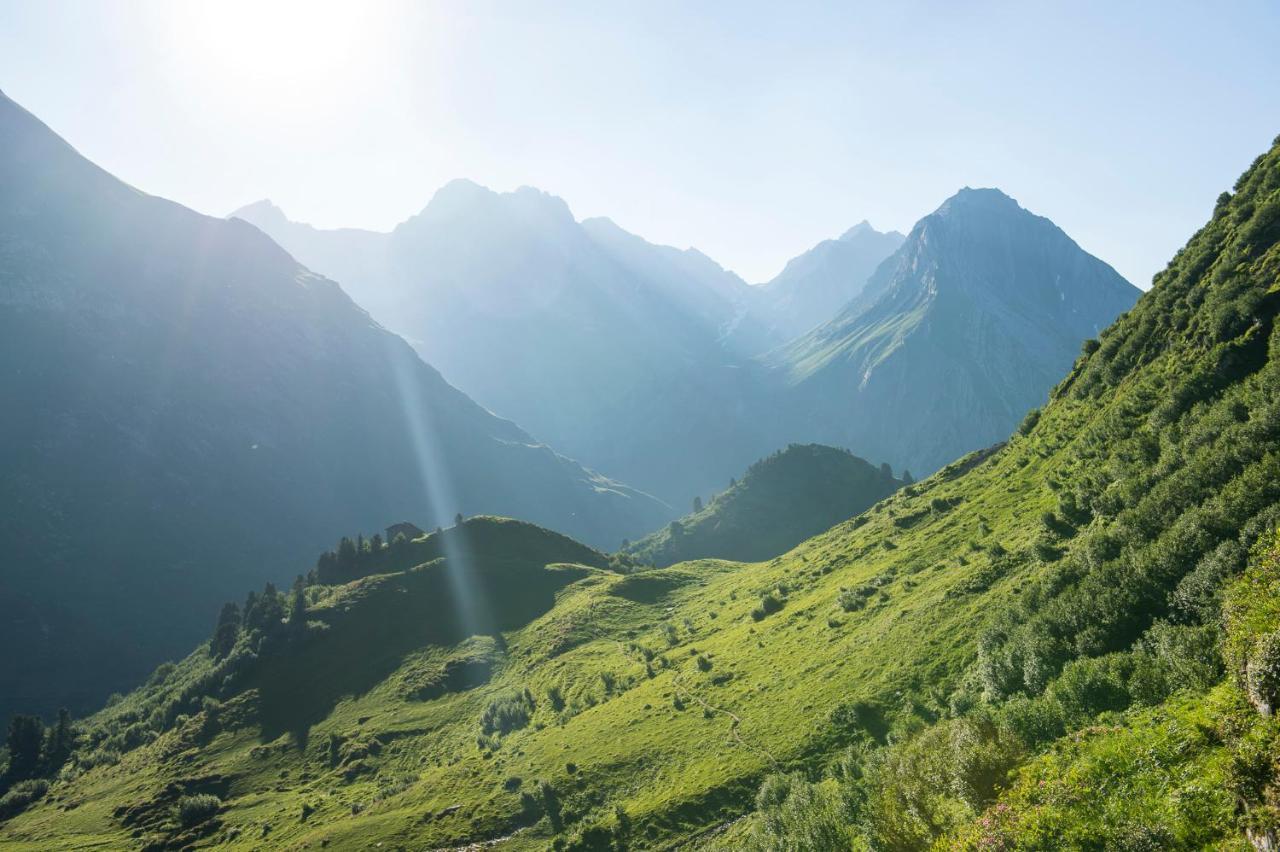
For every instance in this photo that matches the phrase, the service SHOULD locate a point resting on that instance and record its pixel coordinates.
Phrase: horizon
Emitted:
(750, 138)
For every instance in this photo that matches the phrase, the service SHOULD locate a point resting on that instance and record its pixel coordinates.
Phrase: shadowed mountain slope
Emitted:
(191, 411)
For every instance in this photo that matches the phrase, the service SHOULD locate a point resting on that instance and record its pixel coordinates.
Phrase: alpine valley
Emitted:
(1062, 633)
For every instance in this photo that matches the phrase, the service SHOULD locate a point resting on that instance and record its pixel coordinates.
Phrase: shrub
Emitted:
(1262, 672)
(506, 713)
(194, 810)
(852, 600)
(21, 796)
(770, 603)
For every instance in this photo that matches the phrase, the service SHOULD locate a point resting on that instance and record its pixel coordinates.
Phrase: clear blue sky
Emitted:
(750, 130)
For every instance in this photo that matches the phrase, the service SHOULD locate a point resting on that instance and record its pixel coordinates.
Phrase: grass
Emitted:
(764, 702)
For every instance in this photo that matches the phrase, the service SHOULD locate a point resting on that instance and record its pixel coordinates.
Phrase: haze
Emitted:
(748, 130)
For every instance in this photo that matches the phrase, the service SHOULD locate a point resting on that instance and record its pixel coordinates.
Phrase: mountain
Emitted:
(629, 356)
(814, 286)
(780, 501)
(1068, 640)
(955, 337)
(191, 411)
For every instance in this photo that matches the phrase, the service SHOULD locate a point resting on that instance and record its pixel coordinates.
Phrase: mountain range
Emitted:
(1069, 640)
(191, 411)
(656, 366)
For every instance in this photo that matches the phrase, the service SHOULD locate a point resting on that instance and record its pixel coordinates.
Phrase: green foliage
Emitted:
(21, 796)
(506, 713)
(197, 809)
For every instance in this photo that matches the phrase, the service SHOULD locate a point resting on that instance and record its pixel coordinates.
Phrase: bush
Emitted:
(506, 713)
(21, 796)
(194, 810)
(1262, 672)
(852, 600)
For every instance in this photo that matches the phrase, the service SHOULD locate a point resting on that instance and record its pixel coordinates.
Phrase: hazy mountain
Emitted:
(780, 501)
(954, 338)
(190, 411)
(814, 286)
(614, 350)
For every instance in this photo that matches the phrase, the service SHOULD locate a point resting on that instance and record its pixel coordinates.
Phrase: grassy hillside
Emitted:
(780, 501)
(1048, 611)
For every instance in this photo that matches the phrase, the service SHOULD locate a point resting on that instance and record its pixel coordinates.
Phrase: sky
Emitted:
(749, 130)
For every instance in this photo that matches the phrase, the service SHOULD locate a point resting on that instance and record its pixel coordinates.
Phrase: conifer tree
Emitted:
(226, 632)
(298, 610)
(61, 739)
(26, 736)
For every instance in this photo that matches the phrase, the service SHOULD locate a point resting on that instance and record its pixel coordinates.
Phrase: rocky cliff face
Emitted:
(955, 337)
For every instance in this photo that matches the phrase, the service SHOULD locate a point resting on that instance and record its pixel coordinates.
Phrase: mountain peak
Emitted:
(263, 211)
(858, 230)
(981, 199)
(462, 197)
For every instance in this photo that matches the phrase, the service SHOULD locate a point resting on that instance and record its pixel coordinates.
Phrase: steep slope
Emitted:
(814, 286)
(955, 337)
(190, 410)
(1040, 608)
(611, 349)
(780, 501)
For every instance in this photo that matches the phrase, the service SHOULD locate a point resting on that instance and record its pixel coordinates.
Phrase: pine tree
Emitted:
(226, 632)
(457, 520)
(347, 556)
(907, 477)
(269, 613)
(327, 567)
(697, 504)
(375, 543)
(298, 610)
(249, 613)
(26, 736)
(60, 742)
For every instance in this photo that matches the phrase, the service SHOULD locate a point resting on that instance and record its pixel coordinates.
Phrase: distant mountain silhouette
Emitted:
(814, 286)
(633, 357)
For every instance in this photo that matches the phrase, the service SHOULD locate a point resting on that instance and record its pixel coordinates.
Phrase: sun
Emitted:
(269, 50)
